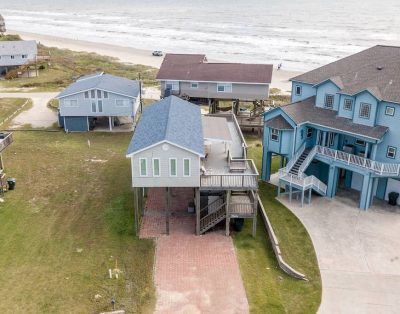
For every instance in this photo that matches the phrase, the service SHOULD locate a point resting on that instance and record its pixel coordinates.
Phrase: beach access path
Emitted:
(39, 115)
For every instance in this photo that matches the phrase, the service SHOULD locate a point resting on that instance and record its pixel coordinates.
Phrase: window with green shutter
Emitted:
(156, 167)
(172, 167)
(186, 167)
(143, 167)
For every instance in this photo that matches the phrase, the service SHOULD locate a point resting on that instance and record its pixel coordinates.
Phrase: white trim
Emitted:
(140, 167)
(159, 167)
(176, 167)
(164, 141)
(233, 82)
(183, 167)
(191, 85)
(226, 86)
(104, 90)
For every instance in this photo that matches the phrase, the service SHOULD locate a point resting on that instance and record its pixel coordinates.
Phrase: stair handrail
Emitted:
(206, 220)
(307, 161)
(293, 160)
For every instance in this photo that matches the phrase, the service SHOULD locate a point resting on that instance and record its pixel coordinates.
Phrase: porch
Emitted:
(111, 124)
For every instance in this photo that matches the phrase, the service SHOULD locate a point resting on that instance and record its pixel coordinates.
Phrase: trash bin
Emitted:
(393, 196)
(11, 183)
(238, 224)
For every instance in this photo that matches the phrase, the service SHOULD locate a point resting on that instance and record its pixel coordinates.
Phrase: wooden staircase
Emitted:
(217, 214)
(295, 169)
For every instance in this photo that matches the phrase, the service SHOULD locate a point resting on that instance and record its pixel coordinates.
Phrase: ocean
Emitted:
(300, 34)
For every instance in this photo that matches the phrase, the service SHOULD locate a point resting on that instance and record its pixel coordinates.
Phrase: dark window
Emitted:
(298, 90)
(274, 134)
(348, 104)
(309, 132)
(329, 100)
(100, 105)
(98, 93)
(86, 94)
(365, 110)
(389, 111)
(391, 152)
(93, 93)
(360, 142)
(105, 94)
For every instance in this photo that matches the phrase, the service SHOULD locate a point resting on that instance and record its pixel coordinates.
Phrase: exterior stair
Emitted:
(295, 169)
(212, 219)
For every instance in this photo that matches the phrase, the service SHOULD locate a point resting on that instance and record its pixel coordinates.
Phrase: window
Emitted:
(94, 107)
(70, 103)
(87, 94)
(224, 87)
(360, 142)
(309, 132)
(298, 90)
(391, 152)
(12, 57)
(329, 100)
(194, 85)
(331, 139)
(274, 134)
(92, 93)
(365, 110)
(186, 167)
(172, 167)
(348, 104)
(156, 167)
(98, 93)
(24, 56)
(100, 105)
(172, 85)
(143, 167)
(389, 111)
(105, 94)
(121, 103)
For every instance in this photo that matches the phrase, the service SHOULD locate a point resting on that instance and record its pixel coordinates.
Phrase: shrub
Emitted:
(12, 74)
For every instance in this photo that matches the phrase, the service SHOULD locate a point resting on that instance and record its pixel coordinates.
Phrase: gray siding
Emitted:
(6, 60)
(76, 124)
(165, 180)
(84, 106)
(248, 92)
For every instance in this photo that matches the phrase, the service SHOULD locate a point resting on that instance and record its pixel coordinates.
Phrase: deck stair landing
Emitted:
(299, 162)
(212, 214)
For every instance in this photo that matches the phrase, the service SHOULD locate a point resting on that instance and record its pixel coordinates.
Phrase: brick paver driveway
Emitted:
(193, 274)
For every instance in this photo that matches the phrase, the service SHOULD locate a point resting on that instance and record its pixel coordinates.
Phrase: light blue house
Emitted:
(95, 98)
(342, 129)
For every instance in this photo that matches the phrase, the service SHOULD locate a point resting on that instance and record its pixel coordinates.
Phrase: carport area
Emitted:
(358, 253)
(114, 124)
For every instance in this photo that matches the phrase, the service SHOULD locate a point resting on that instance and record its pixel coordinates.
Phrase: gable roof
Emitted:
(305, 111)
(18, 47)
(190, 67)
(279, 123)
(107, 82)
(173, 120)
(375, 69)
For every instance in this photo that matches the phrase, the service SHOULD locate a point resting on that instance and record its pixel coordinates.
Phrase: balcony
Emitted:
(5, 140)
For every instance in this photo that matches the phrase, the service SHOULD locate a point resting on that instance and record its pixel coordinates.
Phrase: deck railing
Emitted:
(379, 168)
(243, 208)
(6, 141)
(296, 156)
(302, 181)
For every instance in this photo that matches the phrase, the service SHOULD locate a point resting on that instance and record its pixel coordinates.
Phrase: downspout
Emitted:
(294, 141)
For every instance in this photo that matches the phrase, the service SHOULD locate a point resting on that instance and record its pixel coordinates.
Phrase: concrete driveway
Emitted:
(39, 116)
(358, 254)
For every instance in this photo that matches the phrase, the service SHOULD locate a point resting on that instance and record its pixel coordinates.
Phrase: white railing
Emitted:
(305, 182)
(308, 160)
(5, 140)
(380, 168)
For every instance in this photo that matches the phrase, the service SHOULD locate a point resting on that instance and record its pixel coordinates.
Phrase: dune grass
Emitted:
(270, 290)
(65, 65)
(68, 222)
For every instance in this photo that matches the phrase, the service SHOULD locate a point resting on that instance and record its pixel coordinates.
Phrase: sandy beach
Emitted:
(280, 79)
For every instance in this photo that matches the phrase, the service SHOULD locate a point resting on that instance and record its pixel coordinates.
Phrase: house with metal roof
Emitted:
(192, 77)
(175, 146)
(341, 132)
(98, 100)
(16, 53)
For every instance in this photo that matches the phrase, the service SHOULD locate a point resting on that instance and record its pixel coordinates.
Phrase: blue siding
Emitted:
(327, 88)
(76, 124)
(365, 97)
(344, 112)
(307, 90)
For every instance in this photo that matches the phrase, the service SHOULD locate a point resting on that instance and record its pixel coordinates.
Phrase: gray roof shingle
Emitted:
(279, 123)
(107, 82)
(376, 69)
(306, 112)
(18, 47)
(171, 119)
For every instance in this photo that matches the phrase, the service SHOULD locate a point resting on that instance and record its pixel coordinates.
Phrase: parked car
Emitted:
(157, 53)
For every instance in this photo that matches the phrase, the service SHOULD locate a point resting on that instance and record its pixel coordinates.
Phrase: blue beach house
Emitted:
(342, 130)
(98, 100)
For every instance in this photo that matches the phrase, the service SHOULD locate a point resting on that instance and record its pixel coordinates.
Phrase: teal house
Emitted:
(341, 131)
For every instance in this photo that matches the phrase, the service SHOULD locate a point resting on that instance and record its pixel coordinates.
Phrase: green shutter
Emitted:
(143, 167)
(173, 167)
(156, 167)
(186, 167)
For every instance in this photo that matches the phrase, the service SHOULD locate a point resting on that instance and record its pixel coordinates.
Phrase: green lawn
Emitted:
(8, 106)
(69, 220)
(65, 65)
(270, 290)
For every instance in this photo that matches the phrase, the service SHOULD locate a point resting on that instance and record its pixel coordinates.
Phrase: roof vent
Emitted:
(379, 68)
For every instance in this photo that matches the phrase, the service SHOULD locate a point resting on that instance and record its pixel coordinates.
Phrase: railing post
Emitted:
(348, 159)
(382, 169)
(335, 154)
(398, 169)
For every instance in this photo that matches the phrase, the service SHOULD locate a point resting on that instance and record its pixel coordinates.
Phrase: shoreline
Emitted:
(280, 79)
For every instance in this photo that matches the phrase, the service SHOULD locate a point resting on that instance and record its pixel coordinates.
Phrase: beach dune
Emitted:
(280, 79)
